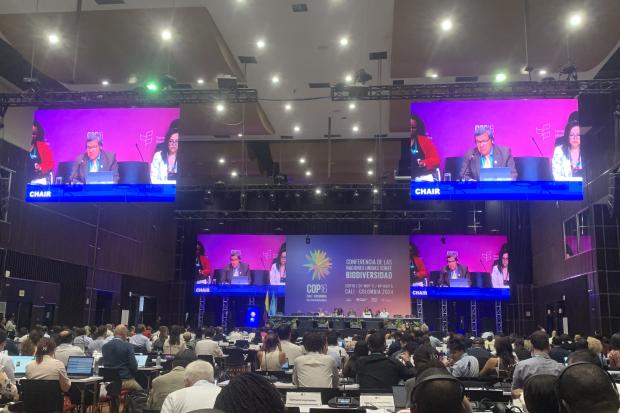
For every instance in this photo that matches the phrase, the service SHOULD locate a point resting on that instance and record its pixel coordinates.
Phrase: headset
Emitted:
(557, 383)
(434, 377)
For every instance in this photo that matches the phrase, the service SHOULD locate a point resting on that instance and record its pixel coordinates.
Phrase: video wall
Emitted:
(496, 149)
(353, 273)
(110, 154)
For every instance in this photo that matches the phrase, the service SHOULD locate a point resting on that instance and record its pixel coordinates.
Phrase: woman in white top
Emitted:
(175, 341)
(271, 357)
(164, 163)
(277, 275)
(566, 163)
(46, 367)
(500, 277)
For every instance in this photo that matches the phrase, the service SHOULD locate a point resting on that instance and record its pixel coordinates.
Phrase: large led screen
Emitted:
(111, 154)
(496, 149)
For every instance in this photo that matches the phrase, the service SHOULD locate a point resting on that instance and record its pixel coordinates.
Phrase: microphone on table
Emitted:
(468, 169)
(537, 147)
(138, 148)
(483, 266)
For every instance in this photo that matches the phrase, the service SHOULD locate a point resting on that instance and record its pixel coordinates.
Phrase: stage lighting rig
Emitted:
(569, 70)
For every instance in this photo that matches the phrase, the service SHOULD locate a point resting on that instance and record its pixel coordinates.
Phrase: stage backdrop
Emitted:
(477, 252)
(347, 271)
(258, 251)
(451, 124)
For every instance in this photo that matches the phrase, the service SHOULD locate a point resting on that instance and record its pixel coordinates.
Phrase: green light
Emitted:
(501, 77)
(152, 87)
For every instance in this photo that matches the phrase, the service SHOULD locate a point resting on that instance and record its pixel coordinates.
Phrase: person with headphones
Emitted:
(485, 155)
(436, 390)
(584, 387)
(95, 159)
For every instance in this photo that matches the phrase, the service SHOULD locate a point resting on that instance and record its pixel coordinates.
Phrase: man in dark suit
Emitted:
(453, 271)
(379, 371)
(486, 155)
(236, 268)
(478, 351)
(118, 354)
(95, 159)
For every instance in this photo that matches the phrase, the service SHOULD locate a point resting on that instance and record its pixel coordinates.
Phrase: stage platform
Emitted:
(306, 322)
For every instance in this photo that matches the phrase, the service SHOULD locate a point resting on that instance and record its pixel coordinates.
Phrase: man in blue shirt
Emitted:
(118, 354)
(140, 343)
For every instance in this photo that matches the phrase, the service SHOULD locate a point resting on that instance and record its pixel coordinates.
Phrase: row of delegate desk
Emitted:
(347, 325)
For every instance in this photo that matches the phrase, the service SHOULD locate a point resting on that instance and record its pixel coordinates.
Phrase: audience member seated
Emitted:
(208, 346)
(503, 364)
(316, 368)
(395, 346)
(614, 354)
(584, 356)
(557, 352)
(404, 339)
(350, 368)
(540, 363)
(379, 371)
(82, 340)
(199, 393)
(65, 349)
(6, 362)
(249, 392)
(140, 343)
(219, 334)
(101, 337)
(29, 344)
(338, 353)
(436, 390)
(271, 357)
(520, 350)
(539, 394)
(160, 338)
(172, 381)
(478, 351)
(46, 367)
(461, 364)
(291, 350)
(118, 354)
(175, 341)
(424, 357)
(587, 388)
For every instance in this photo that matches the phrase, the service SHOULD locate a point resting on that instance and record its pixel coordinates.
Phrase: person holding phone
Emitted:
(271, 357)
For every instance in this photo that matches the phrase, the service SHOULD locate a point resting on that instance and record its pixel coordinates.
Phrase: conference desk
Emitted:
(311, 322)
(82, 385)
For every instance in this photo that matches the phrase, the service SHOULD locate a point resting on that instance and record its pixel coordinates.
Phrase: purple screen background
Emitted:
(473, 250)
(122, 128)
(451, 124)
(256, 250)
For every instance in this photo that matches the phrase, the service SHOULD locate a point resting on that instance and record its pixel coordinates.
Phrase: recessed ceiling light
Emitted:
(105, 82)
(542, 72)
(221, 161)
(296, 128)
(370, 172)
(344, 41)
(355, 128)
(348, 78)
(446, 25)
(220, 108)
(302, 160)
(53, 38)
(308, 173)
(352, 106)
(501, 77)
(370, 159)
(288, 107)
(240, 135)
(275, 79)
(166, 34)
(233, 174)
(200, 81)
(575, 19)
(260, 44)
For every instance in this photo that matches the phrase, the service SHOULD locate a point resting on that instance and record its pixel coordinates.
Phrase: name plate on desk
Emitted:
(296, 399)
(382, 401)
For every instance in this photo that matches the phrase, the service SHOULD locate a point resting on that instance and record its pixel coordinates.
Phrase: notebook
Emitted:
(79, 367)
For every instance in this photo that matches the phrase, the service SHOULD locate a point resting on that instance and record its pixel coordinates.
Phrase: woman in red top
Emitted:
(424, 156)
(202, 262)
(41, 155)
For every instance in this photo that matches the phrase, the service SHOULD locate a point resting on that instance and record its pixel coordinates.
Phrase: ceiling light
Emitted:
(501, 77)
(166, 34)
(152, 87)
(344, 41)
(370, 172)
(355, 128)
(432, 74)
(219, 108)
(348, 78)
(200, 81)
(240, 135)
(132, 79)
(375, 191)
(105, 82)
(296, 128)
(260, 44)
(275, 79)
(53, 38)
(288, 107)
(221, 161)
(233, 174)
(446, 25)
(542, 72)
(370, 159)
(575, 19)
(302, 161)
(352, 106)
(308, 173)
(318, 191)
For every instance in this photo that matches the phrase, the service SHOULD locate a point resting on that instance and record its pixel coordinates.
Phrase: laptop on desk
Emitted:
(20, 363)
(496, 174)
(141, 360)
(101, 177)
(459, 283)
(240, 280)
(80, 367)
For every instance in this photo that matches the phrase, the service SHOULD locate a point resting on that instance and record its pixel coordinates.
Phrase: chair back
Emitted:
(113, 379)
(208, 358)
(41, 396)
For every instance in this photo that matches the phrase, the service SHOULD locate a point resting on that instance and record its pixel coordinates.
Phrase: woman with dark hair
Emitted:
(203, 265)
(271, 357)
(29, 345)
(350, 367)
(278, 270)
(500, 277)
(46, 367)
(614, 353)
(424, 156)
(504, 362)
(158, 343)
(418, 274)
(249, 392)
(164, 163)
(566, 163)
(175, 342)
(41, 156)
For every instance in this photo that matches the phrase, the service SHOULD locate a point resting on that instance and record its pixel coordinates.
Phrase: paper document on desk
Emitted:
(384, 401)
(296, 399)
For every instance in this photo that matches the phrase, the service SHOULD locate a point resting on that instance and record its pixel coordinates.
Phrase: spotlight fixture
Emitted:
(288, 107)
(370, 159)
(296, 128)
(352, 106)
(200, 81)
(166, 35)
(152, 86)
(446, 25)
(260, 44)
(234, 174)
(219, 108)
(344, 41)
(221, 161)
(240, 135)
(375, 191)
(542, 72)
(355, 128)
(133, 79)
(318, 191)
(432, 74)
(501, 77)
(575, 20)
(361, 77)
(275, 79)
(53, 38)
(370, 172)
(308, 173)
(348, 78)
(105, 82)
(302, 161)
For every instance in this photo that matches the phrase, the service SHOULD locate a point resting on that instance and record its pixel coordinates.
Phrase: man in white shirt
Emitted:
(81, 340)
(339, 354)
(139, 341)
(315, 369)
(6, 362)
(65, 349)
(208, 347)
(291, 350)
(199, 393)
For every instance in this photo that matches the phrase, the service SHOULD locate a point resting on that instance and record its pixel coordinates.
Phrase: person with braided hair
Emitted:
(249, 392)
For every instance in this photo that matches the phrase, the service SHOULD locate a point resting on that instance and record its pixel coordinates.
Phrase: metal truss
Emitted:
(341, 215)
(477, 90)
(291, 188)
(419, 304)
(225, 313)
(444, 316)
(473, 311)
(202, 309)
(6, 176)
(128, 98)
(499, 324)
